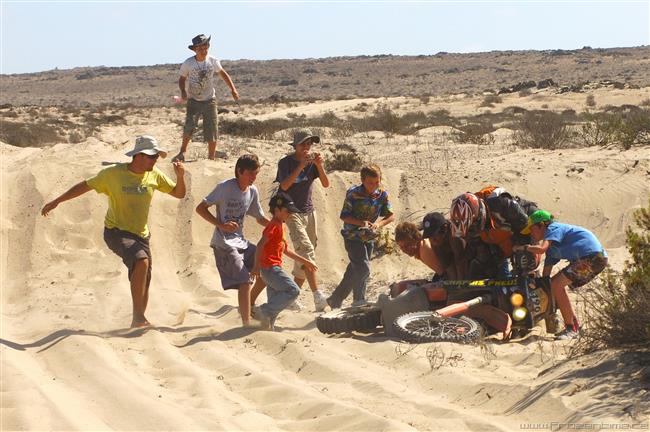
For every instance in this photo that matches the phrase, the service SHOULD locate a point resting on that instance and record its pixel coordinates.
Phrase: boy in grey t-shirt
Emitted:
(198, 89)
(234, 255)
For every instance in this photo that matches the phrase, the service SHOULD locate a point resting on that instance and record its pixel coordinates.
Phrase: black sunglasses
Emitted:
(154, 157)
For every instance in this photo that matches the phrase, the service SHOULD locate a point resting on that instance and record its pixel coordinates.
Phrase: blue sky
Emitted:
(39, 36)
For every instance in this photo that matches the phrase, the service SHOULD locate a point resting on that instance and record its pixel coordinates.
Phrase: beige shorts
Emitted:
(302, 230)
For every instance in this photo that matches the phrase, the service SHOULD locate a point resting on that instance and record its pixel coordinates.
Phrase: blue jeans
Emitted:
(281, 290)
(356, 274)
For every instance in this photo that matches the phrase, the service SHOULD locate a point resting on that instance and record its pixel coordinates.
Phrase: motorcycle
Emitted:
(450, 310)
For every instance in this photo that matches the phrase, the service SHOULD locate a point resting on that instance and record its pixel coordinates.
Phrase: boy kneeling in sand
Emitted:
(586, 256)
(281, 288)
(234, 255)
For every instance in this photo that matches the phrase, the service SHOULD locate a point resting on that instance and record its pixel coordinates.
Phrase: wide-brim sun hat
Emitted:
(148, 145)
(199, 40)
(301, 135)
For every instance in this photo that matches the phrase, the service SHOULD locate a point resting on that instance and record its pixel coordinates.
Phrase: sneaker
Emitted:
(359, 303)
(295, 306)
(266, 322)
(568, 333)
(320, 301)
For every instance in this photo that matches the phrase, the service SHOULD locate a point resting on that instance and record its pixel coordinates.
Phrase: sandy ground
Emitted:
(70, 363)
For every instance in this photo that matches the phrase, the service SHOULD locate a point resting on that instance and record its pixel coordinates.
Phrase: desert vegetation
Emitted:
(617, 307)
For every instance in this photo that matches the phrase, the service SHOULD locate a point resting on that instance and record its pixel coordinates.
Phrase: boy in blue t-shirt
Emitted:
(586, 256)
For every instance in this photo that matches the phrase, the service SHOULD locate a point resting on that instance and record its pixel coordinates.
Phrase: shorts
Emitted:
(302, 230)
(207, 110)
(235, 265)
(129, 247)
(585, 269)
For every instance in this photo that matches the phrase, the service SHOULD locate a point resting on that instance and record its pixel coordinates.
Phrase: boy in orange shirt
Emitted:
(281, 289)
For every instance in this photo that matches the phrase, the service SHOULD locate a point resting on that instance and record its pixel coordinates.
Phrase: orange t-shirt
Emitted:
(275, 244)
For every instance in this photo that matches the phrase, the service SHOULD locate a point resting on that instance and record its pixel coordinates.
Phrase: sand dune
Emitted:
(68, 361)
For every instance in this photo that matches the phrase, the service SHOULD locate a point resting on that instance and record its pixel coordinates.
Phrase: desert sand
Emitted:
(69, 362)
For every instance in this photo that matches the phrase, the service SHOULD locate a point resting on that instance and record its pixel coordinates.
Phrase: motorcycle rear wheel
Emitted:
(426, 326)
(346, 320)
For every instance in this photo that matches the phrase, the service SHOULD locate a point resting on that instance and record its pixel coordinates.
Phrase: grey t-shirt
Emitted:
(300, 190)
(232, 205)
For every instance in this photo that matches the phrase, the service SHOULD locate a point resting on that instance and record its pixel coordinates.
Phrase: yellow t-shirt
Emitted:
(129, 196)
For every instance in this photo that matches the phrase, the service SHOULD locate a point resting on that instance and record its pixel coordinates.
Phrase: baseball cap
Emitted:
(281, 200)
(432, 223)
(535, 218)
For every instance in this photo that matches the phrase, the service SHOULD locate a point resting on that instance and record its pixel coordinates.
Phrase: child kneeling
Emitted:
(280, 287)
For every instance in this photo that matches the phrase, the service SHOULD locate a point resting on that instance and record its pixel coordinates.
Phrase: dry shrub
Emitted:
(28, 134)
(474, 133)
(596, 131)
(631, 128)
(344, 158)
(617, 308)
(590, 101)
(490, 100)
(541, 129)
(384, 243)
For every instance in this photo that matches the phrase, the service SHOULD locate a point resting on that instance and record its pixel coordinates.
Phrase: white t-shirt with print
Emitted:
(200, 77)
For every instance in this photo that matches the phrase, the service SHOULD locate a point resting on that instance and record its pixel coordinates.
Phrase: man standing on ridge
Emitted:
(198, 90)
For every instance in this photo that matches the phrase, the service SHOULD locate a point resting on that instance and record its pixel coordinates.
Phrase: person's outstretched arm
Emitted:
(224, 76)
(75, 191)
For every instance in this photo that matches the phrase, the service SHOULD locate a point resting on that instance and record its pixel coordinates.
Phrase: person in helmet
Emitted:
(474, 257)
(490, 217)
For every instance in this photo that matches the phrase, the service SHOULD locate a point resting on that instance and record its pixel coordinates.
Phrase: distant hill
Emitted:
(336, 77)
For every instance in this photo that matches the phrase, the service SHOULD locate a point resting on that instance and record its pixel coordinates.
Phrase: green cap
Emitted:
(535, 218)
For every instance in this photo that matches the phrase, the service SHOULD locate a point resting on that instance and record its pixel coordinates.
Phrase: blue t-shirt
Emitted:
(300, 190)
(570, 242)
(232, 205)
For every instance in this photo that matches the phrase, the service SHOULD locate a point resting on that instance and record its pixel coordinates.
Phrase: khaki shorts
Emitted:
(302, 230)
(129, 247)
(207, 110)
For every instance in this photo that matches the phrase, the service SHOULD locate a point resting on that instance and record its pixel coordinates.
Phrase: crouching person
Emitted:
(586, 256)
(281, 289)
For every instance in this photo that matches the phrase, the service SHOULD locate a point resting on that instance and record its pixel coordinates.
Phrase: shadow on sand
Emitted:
(54, 338)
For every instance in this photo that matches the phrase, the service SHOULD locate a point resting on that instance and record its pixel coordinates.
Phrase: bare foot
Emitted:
(140, 323)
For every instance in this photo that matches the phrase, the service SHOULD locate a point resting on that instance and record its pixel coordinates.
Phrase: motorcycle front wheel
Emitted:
(426, 326)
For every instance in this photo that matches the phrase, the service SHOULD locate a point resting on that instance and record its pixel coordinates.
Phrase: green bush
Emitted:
(617, 310)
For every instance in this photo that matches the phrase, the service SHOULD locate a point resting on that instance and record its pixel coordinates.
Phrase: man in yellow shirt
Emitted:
(130, 187)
